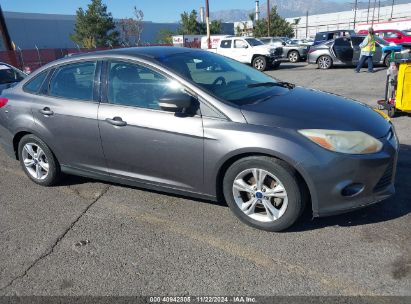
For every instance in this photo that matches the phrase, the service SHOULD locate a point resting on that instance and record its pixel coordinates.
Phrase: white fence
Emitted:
(401, 14)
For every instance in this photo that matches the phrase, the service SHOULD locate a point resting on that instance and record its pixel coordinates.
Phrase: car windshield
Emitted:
(381, 41)
(10, 75)
(226, 79)
(253, 41)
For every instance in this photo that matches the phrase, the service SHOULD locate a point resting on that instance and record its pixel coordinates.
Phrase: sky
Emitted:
(154, 10)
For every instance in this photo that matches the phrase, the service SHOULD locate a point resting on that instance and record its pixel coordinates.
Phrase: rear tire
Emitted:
(260, 63)
(293, 56)
(38, 161)
(324, 62)
(263, 192)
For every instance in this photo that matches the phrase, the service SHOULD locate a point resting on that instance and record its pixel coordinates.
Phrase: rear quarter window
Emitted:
(34, 85)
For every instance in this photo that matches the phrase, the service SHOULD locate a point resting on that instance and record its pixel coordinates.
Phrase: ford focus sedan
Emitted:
(196, 123)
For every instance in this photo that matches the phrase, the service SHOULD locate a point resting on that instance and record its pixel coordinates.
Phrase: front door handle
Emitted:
(46, 111)
(116, 121)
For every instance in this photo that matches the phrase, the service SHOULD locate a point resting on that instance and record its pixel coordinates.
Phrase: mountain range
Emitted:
(295, 8)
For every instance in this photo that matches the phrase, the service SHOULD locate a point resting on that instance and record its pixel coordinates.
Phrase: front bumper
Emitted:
(372, 177)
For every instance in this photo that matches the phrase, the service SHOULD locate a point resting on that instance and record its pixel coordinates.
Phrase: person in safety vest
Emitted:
(367, 51)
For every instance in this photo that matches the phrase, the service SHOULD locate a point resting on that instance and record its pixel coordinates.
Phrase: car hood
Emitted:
(265, 47)
(302, 108)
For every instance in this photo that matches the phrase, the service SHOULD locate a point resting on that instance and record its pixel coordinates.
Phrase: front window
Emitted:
(222, 77)
(134, 85)
(253, 41)
(381, 41)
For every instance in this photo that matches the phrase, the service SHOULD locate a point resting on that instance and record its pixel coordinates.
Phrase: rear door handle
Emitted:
(116, 121)
(46, 111)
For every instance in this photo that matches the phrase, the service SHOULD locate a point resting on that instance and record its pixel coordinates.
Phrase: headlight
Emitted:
(350, 142)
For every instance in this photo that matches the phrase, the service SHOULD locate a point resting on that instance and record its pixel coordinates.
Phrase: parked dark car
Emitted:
(196, 123)
(9, 76)
(321, 37)
(292, 52)
(345, 51)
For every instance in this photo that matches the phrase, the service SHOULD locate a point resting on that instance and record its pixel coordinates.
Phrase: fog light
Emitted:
(352, 190)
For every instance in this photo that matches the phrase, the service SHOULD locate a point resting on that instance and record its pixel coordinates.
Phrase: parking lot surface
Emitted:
(86, 237)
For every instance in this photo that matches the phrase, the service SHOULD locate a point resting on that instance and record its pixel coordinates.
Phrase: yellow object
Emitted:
(403, 95)
(385, 116)
(370, 47)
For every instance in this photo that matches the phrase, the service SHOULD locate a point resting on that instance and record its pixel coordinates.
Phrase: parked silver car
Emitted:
(345, 51)
(9, 75)
(197, 123)
(291, 51)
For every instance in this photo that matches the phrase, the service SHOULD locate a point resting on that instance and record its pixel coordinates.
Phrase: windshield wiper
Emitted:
(272, 84)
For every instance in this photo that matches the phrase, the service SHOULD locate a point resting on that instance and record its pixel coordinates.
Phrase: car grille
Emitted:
(386, 179)
(278, 51)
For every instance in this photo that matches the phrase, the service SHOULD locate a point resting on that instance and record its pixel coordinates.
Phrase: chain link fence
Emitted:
(31, 59)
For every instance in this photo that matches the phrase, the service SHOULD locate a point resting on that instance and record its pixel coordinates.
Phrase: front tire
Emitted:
(324, 62)
(263, 192)
(260, 63)
(37, 161)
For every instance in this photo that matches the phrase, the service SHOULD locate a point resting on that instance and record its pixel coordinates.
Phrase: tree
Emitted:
(95, 26)
(165, 36)
(189, 24)
(296, 22)
(215, 27)
(132, 27)
(278, 26)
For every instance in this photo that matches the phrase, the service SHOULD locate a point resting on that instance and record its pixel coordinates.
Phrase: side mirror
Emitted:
(399, 36)
(175, 102)
(284, 43)
(245, 46)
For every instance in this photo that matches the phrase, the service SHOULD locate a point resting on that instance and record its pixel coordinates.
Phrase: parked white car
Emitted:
(251, 51)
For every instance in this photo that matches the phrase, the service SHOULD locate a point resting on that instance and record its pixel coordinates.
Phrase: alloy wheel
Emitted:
(260, 195)
(35, 161)
(293, 57)
(259, 64)
(324, 62)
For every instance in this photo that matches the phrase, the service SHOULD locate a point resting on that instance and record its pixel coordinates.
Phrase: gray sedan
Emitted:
(345, 51)
(196, 123)
(292, 51)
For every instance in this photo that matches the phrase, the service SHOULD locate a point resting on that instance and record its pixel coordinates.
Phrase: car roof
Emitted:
(150, 53)
(335, 31)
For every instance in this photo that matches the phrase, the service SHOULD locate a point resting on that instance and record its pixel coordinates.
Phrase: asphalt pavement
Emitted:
(86, 237)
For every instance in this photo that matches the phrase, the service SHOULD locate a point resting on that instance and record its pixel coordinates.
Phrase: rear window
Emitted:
(34, 85)
(9, 75)
(225, 44)
(73, 81)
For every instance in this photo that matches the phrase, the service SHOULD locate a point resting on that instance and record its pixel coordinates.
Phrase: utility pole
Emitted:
(355, 12)
(4, 33)
(368, 11)
(373, 12)
(392, 8)
(306, 24)
(208, 24)
(268, 18)
(379, 6)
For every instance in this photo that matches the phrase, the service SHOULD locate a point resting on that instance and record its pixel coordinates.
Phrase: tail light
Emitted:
(3, 101)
